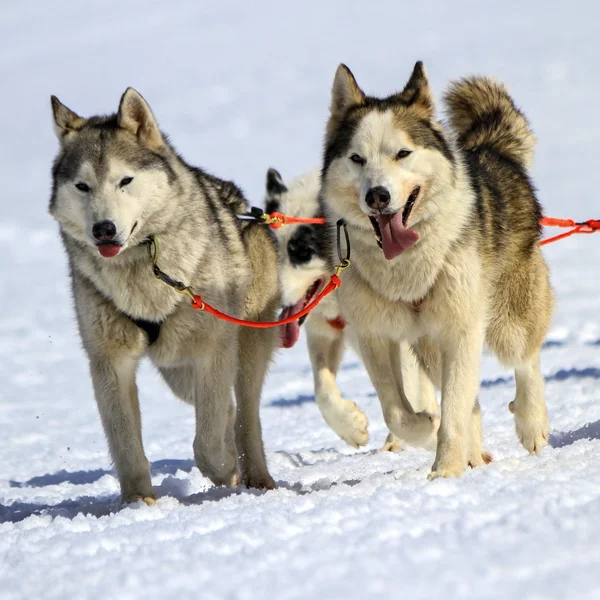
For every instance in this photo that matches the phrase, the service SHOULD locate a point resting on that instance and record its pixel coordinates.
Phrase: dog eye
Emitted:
(403, 154)
(82, 187)
(359, 160)
(126, 181)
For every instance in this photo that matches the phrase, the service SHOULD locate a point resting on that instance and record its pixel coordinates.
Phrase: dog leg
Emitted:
(392, 444)
(117, 399)
(416, 428)
(256, 347)
(460, 382)
(477, 455)
(411, 380)
(214, 447)
(529, 407)
(343, 416)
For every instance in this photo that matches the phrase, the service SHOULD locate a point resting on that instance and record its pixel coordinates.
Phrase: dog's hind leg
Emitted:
(416, 428)
(256, 347)
(325, 347)
(413, 381)
(529, 406)
(477, 455)
(520, 321)
(207, 387)
(214, 447)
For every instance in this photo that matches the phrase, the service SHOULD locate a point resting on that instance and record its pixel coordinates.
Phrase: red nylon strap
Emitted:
(334, 283)
(590, 226)
(275, 220)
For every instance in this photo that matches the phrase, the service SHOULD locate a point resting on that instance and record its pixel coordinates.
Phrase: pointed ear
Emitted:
(274, 188)
(345, 92)
(136, 117)
(275, 185)
(417, 92)
(65, 120)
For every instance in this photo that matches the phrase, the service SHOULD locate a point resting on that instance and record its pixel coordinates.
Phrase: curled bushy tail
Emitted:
(483, 114)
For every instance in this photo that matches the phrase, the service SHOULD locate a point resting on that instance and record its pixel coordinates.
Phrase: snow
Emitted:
(240, 87)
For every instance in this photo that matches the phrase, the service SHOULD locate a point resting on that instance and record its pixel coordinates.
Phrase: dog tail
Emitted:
(483, 114)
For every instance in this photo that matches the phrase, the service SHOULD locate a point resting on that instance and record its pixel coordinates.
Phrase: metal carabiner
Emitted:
(344, 260)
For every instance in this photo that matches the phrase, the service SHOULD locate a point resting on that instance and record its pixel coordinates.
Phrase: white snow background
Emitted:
(241, 86)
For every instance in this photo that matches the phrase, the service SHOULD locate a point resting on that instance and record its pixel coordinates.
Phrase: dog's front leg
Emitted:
(325, 347)
(256, 347)
(114, 345)
(117, 399)
(416, 428)
(461, 358)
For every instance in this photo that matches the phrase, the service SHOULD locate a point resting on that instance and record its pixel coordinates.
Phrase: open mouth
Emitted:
(390, 230)
(108, 249)
(410, 204)
(291, 332)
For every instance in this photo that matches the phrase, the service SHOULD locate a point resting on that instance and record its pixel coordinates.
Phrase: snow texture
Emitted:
(240, 87)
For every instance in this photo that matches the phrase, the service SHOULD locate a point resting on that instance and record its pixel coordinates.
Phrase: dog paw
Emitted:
(480, 458)
(450, 461)
(532, 432)
(446, 470)
(133, 498)
(421, 430)
(348, 421)
(259, 481)
(392, 444)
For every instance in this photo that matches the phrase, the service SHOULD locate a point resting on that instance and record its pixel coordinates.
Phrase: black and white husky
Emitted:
(305, 269)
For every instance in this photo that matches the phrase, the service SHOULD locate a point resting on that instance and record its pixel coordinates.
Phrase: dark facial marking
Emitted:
(306, 242)
(96, 140)
(423, 132)
(338, 144)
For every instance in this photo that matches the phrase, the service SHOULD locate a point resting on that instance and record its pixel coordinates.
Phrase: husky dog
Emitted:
(304, 271)
(444, 229)
(117, 181)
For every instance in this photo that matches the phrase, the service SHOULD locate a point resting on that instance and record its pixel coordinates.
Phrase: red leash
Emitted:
(590, 226)
(334, 283)
(277, 220)
(199, 304)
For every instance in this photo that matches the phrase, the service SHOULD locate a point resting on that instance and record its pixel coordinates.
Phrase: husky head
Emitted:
(113, 180)
(384, 159)
(303, 265)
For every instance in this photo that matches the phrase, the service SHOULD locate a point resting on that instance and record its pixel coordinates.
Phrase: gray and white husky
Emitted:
(305, 268)
(443, 222)
(116, 182)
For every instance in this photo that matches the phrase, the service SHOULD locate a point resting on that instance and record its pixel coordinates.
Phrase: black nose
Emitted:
(377, 197)
(104, 230)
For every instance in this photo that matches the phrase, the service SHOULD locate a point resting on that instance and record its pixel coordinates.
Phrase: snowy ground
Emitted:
(241, 87)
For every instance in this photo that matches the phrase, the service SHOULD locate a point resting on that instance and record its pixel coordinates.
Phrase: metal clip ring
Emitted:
(343, 259)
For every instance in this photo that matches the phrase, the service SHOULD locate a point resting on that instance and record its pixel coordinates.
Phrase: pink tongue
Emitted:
(109, 250)
(395, 238)
(290, 332)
